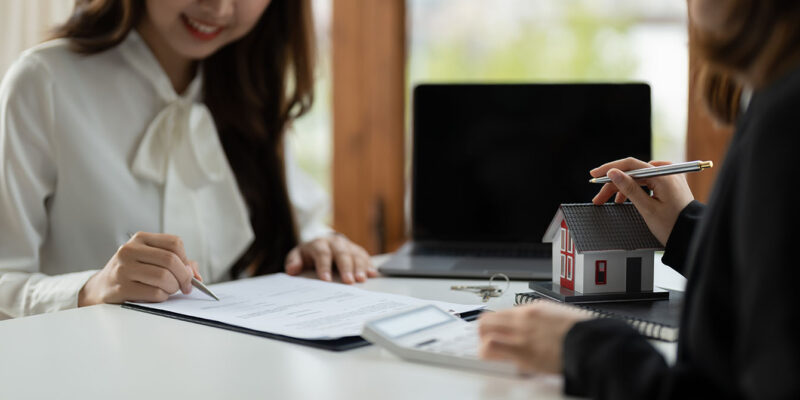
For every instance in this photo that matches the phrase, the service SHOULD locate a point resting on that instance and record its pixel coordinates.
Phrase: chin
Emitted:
(198, 53)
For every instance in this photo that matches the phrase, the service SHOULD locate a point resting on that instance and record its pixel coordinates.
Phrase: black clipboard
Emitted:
(340, 344)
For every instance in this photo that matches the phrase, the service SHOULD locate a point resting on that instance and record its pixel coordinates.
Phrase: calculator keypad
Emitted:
(461, 342)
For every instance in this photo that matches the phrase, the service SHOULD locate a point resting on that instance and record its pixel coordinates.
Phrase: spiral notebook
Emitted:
(654, 319)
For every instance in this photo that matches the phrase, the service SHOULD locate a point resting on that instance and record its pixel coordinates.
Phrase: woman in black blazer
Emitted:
(738, 337)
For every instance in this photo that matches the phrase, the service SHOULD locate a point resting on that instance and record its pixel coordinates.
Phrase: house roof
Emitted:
(605, 227)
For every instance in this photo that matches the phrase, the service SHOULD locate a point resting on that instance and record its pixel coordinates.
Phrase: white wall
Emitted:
(580, 274)
(615, 271)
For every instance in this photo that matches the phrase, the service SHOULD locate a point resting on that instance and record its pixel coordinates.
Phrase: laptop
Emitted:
(492, 162)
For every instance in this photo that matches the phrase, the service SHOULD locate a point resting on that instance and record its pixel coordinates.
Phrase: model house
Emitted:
(601, 249)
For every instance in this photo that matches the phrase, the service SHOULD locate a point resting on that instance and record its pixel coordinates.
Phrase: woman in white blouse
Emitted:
(159, 116)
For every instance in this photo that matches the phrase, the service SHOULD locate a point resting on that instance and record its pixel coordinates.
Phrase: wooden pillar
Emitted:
(369, 49)
(705, 138)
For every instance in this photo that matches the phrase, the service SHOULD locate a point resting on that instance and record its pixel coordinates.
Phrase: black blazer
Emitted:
(738, 335)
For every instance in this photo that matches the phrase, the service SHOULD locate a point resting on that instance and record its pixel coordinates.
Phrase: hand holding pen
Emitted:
(149, 267)
(666, 169)
(670, 193)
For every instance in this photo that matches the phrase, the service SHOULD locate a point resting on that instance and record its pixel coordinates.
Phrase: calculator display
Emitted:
(411, 322)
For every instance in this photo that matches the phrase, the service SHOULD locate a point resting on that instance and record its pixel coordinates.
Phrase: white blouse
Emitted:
(94, 148)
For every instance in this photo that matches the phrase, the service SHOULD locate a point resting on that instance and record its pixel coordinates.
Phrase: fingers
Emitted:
(321, 255)
(195, 270)
(495, 323)
(610, 189)
(625, 164)
(604, 194)
(657, 163)
(344, 259)
(495, 347)
(352, 261)
(294, 262)
(181, 273)
(163, 241)
(502, 337)
(136, 291)
(363, 261)
(350, 256)
(630, 189)
(152, 275)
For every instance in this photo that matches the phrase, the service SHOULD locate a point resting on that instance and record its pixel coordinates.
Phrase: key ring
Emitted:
(504, 276)
(486, 291)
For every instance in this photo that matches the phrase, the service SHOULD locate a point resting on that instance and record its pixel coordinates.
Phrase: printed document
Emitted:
(293, 306)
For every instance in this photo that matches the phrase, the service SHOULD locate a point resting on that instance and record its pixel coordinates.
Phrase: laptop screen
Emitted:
(491, 163)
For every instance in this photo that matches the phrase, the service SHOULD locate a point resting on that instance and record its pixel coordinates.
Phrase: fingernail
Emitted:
(349, 276)
(326, 276)
(361, 276)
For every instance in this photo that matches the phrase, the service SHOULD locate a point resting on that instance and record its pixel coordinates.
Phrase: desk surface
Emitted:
(105, 350)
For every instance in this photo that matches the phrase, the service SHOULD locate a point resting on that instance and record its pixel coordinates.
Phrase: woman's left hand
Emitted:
(531, 336)
(352, 261)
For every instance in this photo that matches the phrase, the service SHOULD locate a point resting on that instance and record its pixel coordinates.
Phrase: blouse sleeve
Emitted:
(309, 201)
(27, 180)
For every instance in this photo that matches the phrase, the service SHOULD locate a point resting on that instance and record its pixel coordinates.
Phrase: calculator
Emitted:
(431, 335)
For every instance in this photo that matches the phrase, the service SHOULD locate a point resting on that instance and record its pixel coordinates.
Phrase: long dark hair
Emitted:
(254, 88)
(749, 37)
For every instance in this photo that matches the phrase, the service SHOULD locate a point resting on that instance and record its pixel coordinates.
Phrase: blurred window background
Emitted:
(479, 41)
(311, 136)
(24, 23)
(529, 41)
(560, 41)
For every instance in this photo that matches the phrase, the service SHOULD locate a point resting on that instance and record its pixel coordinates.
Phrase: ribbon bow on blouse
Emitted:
(202, 202)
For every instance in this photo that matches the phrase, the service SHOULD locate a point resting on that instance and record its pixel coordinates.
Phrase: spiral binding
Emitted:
(647, 328)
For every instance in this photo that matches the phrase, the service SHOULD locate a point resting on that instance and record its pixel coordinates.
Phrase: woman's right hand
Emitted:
(670, 196)
(149, 267)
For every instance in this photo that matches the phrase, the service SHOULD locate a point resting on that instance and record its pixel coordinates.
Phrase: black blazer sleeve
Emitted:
(607, 359)
(681, 236)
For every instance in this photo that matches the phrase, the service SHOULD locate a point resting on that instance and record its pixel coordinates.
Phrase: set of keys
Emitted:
(485, 291)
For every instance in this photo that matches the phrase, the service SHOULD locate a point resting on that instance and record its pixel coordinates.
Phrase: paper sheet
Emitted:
(293, 306)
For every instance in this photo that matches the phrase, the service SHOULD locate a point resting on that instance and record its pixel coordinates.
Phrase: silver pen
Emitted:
(678, 168)
(201, 287)
(195, 282)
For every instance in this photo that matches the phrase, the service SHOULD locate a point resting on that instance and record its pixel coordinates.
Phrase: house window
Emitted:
(600, 272)
(562, 266)
(569, 268)
(563, 239)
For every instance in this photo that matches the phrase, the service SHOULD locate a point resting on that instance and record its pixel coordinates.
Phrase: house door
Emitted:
(567, 258)
(633, 274)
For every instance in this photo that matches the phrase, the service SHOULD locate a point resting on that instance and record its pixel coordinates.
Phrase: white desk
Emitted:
(105, 351)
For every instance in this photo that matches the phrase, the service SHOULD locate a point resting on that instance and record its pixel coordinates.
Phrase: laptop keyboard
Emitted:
(477, 252)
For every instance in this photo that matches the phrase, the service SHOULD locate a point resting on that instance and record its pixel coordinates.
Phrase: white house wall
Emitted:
(579, 273)
(615, 271)
(557, 260)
